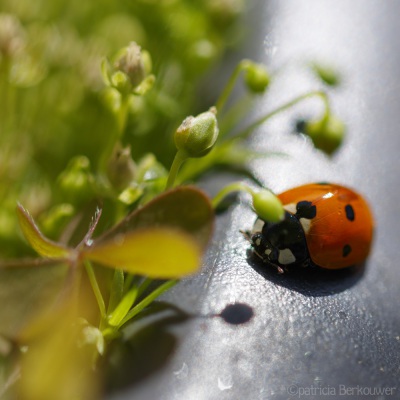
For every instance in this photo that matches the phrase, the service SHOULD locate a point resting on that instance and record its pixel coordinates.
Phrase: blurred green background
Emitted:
(54, 105)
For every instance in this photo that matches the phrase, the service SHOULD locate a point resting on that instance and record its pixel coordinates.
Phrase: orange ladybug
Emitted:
(325, 225)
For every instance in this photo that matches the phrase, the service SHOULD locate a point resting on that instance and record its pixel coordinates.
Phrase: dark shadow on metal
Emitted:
(309, 281)
(145, 348)
(236, 313)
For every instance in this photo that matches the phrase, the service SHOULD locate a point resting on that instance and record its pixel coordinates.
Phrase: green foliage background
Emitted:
(53, 103)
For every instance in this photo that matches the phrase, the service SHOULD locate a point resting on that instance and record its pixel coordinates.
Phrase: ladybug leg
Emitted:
(279, 269)
(246, 234)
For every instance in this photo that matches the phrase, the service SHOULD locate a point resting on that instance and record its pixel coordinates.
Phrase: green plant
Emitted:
(153, 229)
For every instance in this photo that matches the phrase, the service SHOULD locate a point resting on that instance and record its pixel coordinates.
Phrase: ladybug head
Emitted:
(282, 243)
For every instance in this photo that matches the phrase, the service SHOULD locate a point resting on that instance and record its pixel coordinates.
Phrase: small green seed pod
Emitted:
(327, 73)
(256, 77)
(197, 135)
(267, 206)
(327, 133)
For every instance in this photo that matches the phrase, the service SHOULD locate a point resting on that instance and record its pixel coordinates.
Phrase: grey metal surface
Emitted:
(310, 337)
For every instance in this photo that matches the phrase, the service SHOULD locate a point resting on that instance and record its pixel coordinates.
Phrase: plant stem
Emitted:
(95, 287)
(144, 285)
(246, 132)
(147, 300)
(179, 159)
(230, 85)
(123, 307)
(117, 290)
(122, 115)
(233, 187)
(121, 118)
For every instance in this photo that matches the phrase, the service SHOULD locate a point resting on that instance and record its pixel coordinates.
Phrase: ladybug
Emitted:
(325, 225)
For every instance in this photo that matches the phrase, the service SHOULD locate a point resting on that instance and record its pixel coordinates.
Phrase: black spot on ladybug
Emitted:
(305, 209)
(346, 250)
(349, 212)
(323, 183)
(237, 313)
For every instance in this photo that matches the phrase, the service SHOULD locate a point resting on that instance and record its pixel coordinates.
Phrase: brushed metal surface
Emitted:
(339, 331)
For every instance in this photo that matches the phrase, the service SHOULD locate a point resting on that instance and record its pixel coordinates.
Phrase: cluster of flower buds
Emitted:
(129, 71)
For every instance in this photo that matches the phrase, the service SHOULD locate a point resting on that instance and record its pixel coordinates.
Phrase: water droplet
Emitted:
(225, 384)
(183, 372)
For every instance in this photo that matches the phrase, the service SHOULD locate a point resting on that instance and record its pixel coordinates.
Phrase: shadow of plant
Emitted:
(145, 348)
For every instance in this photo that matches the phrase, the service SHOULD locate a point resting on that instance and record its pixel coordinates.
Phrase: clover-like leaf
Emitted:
(184, 208)
(59, 361)
(154, 252)
(163, 239)
(27, 289)
(42, 245)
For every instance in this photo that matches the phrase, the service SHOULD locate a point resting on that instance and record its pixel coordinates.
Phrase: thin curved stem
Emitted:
(95, 287)
(247, 131)
(233, 187)
(147, 300)
(179, 159)
(230, 85)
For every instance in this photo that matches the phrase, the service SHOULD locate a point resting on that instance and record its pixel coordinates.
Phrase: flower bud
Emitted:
(121, 82)
(327, 133)
(131, 62)
(256, 77)
(328, 74)
(76, 182)
(11, 35)
(267, 206)
(54, 221)
(121, 169)
(197, 135)
(224, 11)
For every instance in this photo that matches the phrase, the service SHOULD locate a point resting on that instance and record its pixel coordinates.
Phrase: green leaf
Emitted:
(59, 362)
(117, 289)
(184, 208)
(27, 292)
(123, 307)
(44, 246)
(154, 252)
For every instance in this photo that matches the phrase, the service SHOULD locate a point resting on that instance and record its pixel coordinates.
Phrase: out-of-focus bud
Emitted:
(121, 169)
(130, 70)
(267, 206)
(224, 11)
(12, 35)
(327, 133)
(54, 221)
(256, 77)
(130, 62)
(197, 135)
(327, 73)
(76, 182)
